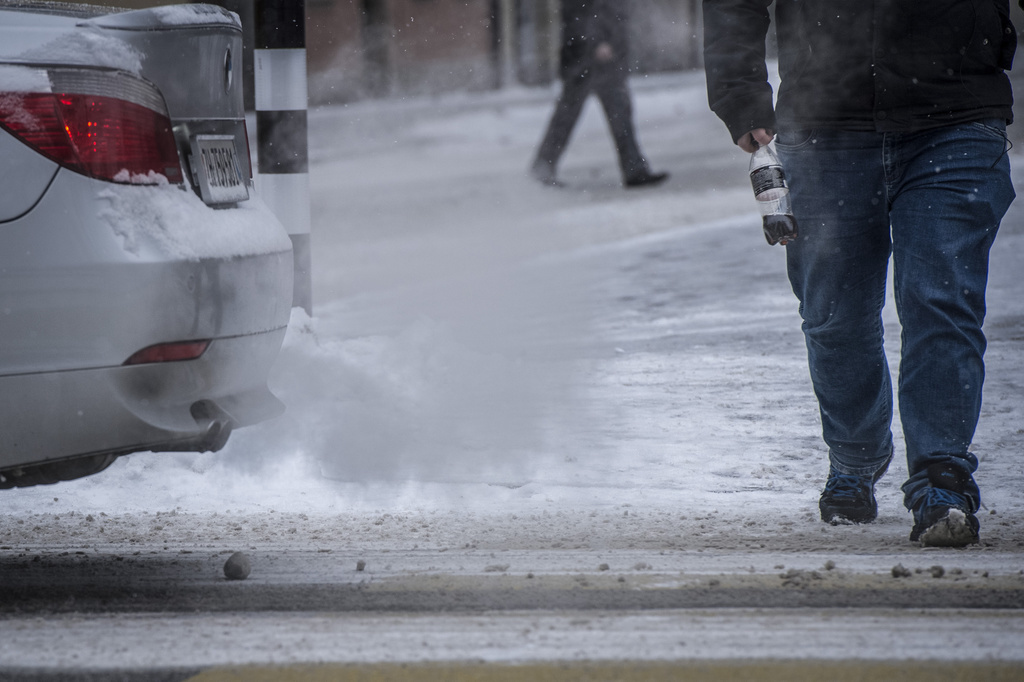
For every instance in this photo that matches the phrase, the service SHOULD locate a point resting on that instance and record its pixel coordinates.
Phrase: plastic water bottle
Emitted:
(772, 194)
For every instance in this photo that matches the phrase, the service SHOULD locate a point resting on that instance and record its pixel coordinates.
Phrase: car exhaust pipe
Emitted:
(216, 427)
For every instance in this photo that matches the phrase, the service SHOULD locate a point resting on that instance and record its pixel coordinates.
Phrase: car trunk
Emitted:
(193, 53)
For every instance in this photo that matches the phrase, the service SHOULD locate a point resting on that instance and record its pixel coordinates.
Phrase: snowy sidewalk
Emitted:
(486, 350)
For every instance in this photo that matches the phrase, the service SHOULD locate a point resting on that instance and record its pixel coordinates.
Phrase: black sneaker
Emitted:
(646, 179)
(944, 514)
(848, 498)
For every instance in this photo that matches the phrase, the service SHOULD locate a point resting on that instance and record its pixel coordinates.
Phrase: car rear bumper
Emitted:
(191, 405)
(96, 272)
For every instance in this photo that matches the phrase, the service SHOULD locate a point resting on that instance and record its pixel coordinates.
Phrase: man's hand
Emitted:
(604, 53)
(754, 139)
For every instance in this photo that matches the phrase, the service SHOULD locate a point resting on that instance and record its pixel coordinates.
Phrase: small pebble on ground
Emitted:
(898, 571)
(237, 567)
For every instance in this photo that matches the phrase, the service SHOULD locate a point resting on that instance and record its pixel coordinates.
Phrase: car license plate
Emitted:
(218, 173)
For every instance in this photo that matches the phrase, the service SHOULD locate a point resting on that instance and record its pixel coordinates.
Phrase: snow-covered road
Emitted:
(495, 364)
(488, 345)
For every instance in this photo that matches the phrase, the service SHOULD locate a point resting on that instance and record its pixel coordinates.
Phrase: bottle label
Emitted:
(772, 207)
(766, 178)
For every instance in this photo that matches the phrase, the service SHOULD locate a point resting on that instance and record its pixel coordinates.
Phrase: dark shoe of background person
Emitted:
(944, 514)
(848, 498)
(646, 179)
(544, 173)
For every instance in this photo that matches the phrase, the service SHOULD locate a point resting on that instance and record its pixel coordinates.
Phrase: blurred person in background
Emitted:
(594, 58)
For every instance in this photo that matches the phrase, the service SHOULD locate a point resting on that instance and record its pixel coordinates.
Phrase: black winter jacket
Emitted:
(869, 65)
(585, 25)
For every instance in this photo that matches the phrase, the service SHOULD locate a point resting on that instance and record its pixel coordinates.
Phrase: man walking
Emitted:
(594, 59)
(890, 123)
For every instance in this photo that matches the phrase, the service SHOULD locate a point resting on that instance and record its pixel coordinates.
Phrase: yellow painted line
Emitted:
(755, 671)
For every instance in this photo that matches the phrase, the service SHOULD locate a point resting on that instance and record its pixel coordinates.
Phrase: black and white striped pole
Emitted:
(282, 100)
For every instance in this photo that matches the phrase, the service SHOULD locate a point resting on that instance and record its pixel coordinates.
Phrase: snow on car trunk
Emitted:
(200, 42)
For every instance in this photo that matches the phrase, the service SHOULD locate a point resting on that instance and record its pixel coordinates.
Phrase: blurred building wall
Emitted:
(366, 48)
(360, 48)
(666, 35)
(374, 48)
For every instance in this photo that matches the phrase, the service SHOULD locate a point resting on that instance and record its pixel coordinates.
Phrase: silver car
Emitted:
(144, 289)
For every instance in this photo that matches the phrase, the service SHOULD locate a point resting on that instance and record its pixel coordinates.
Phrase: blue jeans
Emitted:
(933, 200)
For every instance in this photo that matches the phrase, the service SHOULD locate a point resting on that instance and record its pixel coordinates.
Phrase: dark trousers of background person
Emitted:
(613, 93)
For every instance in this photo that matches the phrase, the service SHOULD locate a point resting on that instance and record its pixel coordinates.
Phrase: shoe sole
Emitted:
(840, 519)
(634, 184)
(952, 530)
(550, 182)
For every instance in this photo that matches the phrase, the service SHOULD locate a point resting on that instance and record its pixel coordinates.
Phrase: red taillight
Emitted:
(99, 135)
(169, 352)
